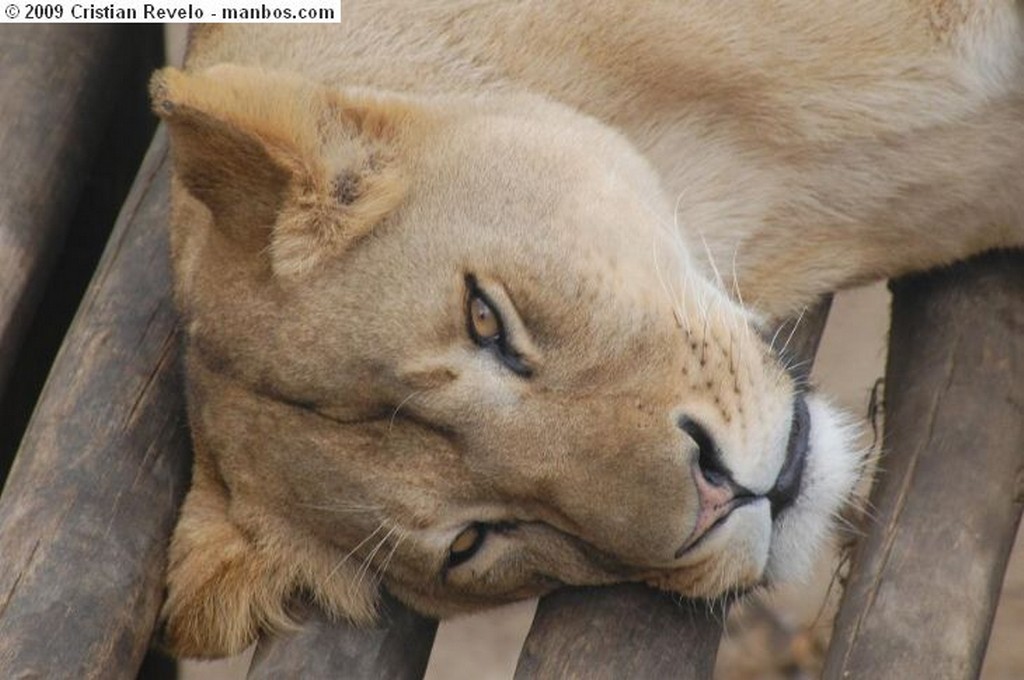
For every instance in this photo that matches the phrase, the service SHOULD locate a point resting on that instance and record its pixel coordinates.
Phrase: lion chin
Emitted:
(470, 315)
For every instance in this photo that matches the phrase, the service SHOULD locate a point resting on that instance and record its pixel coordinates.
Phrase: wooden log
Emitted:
(631, 630)
(58, 83)
(91, 499)
(624, 631)
(926, 578)
(397, 649)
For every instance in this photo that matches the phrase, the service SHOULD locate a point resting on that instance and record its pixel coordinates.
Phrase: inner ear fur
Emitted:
(286, 166)
(226, 585)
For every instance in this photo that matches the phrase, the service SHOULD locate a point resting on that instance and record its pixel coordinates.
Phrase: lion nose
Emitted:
(717, 493)
(715, 503)
(709, 458)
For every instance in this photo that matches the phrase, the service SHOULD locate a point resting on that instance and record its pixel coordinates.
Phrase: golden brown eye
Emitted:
(483, 320)
(486, 328)
(466, 544)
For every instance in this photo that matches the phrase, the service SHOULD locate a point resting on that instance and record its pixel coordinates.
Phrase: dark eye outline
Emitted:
(455, 558)
(483, 529)
(499, 343)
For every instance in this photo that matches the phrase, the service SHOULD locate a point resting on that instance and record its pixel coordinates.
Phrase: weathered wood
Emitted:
(398, 649)
(925, 580)
(101, 176)
(91, 499)
(633, 631)
(58, 83)
(624, 631)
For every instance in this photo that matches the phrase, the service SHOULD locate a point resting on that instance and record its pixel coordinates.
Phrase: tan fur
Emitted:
(638, 188)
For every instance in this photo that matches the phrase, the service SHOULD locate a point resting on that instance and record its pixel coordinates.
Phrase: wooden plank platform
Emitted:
(625, 631)
(74, 126)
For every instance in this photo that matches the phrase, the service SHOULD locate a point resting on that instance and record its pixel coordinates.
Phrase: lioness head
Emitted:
(455, 348)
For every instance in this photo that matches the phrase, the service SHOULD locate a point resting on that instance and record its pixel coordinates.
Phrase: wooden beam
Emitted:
(624, 631)
(634, 631)
(926, 579)
(397, 649)
(92, 497)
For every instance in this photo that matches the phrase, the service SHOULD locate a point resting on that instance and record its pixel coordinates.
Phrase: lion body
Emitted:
(636, 188)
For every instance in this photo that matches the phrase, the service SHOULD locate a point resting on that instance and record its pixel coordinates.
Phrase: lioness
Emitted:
(476, 293)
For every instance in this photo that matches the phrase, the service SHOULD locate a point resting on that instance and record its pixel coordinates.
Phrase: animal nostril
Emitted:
(715, 476)
(709, 459)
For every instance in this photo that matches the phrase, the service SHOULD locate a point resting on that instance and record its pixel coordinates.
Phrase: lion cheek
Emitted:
(224, 588)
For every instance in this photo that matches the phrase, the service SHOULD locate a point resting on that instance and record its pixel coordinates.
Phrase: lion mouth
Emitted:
(787, 485)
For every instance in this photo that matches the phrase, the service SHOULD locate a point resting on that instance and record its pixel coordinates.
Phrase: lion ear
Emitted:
(225, 586)
(285, 166)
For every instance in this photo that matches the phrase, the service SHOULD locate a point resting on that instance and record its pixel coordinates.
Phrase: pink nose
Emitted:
(717, 498)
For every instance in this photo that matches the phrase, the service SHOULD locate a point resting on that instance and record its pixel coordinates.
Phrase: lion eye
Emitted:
(466, 544)
(486, 328)
(483, 320)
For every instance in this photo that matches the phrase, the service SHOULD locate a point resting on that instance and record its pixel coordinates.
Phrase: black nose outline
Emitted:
(709, 459)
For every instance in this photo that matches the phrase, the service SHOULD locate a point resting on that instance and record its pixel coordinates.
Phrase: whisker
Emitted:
(735, 278)
(771, 345)
(664, 283)
(364, 568)
(799, 319)
(841, 563)
(383, 567)
(352, 552)
(342, 508)
(847, 525)
(711, 261)
(394, 414)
